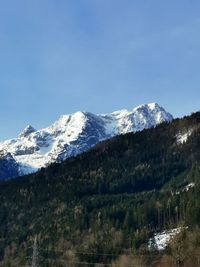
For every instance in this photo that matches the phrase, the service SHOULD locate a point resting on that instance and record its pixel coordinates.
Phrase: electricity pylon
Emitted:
(35, 255)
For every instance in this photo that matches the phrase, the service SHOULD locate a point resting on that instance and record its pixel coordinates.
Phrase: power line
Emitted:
(87, 253)
(95, 263)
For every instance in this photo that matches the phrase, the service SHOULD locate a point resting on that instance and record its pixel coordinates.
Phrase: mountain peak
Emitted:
(153, 105)
(27, 130)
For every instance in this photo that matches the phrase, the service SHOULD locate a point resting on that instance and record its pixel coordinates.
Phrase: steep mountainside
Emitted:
(8, 166)
(107, 201)
(72, 134)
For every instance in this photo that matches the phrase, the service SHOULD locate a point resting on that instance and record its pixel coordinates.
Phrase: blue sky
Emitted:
(61, 56)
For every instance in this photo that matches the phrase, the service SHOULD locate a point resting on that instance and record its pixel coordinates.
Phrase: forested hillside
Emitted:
(106, 202)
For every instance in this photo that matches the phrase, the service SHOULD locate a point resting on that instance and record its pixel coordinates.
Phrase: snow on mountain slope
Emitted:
(183, 137)
(161, 240)
(74, 133)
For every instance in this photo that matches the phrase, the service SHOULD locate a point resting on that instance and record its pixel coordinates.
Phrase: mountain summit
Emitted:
(28, 130)
(75, 133)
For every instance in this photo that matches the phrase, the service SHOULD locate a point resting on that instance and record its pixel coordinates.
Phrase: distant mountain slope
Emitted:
(75, 133)
(8, 166)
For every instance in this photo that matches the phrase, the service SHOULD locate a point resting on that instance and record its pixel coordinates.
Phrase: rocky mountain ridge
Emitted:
(75, 133)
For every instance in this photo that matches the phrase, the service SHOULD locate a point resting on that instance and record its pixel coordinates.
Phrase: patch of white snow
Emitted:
(161, 240)
(183, 137)
(189, 186)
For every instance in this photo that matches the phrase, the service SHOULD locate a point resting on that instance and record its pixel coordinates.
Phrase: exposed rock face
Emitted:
(27, 131)
(8, 166)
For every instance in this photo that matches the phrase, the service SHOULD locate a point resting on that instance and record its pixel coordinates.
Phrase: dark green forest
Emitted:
(107, 202)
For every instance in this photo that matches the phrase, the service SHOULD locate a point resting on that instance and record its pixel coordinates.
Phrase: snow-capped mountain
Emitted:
(74, 133)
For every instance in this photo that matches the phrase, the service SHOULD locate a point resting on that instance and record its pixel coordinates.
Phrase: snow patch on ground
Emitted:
(161, 240)
(186, 188)
(189, 186)
(183, 137)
